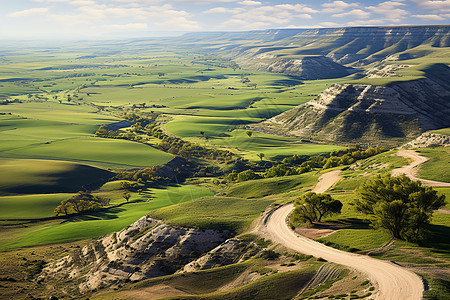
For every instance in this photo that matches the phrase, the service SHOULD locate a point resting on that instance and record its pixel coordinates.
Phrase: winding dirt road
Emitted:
(392, 282)
(411, 169)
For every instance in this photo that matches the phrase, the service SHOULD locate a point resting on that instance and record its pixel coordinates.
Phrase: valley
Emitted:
(152, 168)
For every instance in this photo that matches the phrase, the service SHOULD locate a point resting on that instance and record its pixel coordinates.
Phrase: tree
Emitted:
(126, 196)
(313, 207)
(247, 175)
(260, 155)
(399, 205)
(249, 133)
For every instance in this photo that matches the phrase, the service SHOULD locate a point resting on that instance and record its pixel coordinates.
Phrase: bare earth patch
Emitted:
(318, 230)
(154, 292)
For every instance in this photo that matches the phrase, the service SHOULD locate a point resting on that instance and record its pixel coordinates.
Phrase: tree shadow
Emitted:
(439, 239)
(108, 214)
(347, 223)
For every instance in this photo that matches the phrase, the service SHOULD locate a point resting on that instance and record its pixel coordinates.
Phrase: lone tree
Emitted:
(400, 205)
(126, 196)
(312, 207)
(249, 133)
(261, 155)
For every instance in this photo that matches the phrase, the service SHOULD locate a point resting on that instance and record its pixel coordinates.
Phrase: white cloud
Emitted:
(220, 9)
(390, 10)
(27, 12)
(330, 24)
(356, 13)
(434, 4)
(260, 17)
(429, 17)
(250, 2)
(337, 6)
(294, 7)
(135, 26)
(49, 1)
(371, 22)
(82, 2)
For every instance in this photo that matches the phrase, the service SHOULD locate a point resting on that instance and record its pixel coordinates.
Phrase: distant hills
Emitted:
(314, 52)
(369, 113)
(395, 80)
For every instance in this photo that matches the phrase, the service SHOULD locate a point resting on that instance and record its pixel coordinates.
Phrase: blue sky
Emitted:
(94, 19)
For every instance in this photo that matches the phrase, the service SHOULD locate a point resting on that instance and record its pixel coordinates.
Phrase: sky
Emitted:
(97, 19)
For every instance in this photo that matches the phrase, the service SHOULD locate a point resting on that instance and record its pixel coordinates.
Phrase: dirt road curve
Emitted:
(326, 181)
(392, 281)
(411, 169)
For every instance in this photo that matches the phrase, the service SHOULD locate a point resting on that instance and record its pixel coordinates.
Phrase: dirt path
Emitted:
(391, 281)
(411, 169)
(327, 180)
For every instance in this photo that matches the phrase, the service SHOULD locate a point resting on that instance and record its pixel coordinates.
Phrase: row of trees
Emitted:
(397, 204)
(295, 165)
(174, 145)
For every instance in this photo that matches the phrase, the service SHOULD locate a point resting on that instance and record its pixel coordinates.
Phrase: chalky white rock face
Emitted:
(308, 68)
(145, 249)
(356, 112)
(429, 139)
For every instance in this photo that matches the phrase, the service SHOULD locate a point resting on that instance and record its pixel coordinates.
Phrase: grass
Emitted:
(234, 214)
(372, 166)
(34, 176)
(97, 152)
(65, 132)
(204, 284)
(438, 168)
(275, 286)
(445, 131)
(201, 282)
(272, 146)
(270, 186)
(30, 206)
(445, 191)
(103, 222)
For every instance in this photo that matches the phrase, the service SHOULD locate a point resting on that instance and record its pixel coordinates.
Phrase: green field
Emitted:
(438, 168)
(271, 186)
(30, 206)
(234, 214)
(103, 222)
(28, 176)
(65, 132)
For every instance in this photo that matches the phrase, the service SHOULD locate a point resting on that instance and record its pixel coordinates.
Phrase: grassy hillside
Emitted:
(97, 223)
(438, 168)
(271, 186)
(28, 176)
(213, 212)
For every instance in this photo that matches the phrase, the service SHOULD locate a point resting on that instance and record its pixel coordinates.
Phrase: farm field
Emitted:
(59, 101)
(95, 224)
(146, 129)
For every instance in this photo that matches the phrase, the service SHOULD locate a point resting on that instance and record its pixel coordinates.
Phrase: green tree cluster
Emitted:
(81, 202)
(312, 207)
(399, 205)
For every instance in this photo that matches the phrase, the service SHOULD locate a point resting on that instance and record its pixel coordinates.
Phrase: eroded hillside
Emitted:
(357, 112)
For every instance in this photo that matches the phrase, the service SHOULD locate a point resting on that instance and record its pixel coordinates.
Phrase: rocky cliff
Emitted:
(308, 68)
(147, 248)
(325, 52)
(367, 113)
